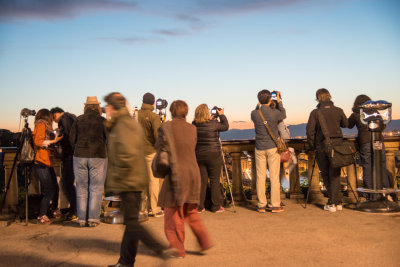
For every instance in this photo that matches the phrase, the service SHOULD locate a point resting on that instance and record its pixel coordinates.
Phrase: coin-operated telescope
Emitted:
(376, 114)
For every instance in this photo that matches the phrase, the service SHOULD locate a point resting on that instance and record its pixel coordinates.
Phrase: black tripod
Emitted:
(347, 180)
(26, 136)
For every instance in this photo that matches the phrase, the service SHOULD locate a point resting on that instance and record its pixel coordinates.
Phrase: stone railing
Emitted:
(237, 150)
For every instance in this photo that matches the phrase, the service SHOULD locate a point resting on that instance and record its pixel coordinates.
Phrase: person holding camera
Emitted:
(266, 151)
(43, 137)
(65, 121)
(88, 139)
(150, 123)
(209, 154)
(316, 141)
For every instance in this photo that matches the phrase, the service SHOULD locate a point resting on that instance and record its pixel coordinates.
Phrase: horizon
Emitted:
(216, 52)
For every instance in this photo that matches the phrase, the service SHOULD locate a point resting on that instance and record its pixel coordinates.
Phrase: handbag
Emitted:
(27, 155)
(160, 165)
(340, 155)
(280, 143)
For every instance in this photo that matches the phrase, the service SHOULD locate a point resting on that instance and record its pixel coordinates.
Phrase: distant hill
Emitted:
(296, 131)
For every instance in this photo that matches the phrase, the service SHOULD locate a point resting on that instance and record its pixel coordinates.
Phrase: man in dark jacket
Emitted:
(65, 121)
(127, 175)
(266, 150)
(150, 123)
(335, 118)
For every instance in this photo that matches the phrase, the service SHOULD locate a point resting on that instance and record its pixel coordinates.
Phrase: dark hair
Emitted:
(179, 109)
(116, 100)
(360, 99)
(274, 104)
(56, 110)
(44, 114)
(323, 95)
(264, 96)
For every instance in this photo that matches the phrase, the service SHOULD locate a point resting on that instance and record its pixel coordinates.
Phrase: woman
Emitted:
(180, 192)
(335, 118)
(43, 167)
(364, 145)
(88, 138)
(209, 154)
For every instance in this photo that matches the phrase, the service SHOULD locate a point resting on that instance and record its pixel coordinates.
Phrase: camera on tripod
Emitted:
(25, 112)
(214, 111)
(161, 104)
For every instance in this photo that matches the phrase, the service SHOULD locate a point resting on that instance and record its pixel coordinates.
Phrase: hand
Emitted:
(58, 138)
(278, 96)
(220, 112)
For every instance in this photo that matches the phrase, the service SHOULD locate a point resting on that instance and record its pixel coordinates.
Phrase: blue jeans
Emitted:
(90, 175)
(49, 188)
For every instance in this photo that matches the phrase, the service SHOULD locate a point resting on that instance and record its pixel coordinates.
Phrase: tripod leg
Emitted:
(351, 188)
(310, 182)
(227, 176)
(27, 173)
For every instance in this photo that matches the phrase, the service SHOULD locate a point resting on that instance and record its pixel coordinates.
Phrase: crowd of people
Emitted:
(115, 154)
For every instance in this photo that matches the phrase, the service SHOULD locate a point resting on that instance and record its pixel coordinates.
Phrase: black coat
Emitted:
(88, 136)
(335, 118)
(65, 124)
(208, 134)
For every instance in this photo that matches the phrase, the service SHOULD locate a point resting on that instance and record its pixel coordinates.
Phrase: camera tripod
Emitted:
(227, 176)
(26, 134)
(347, 180)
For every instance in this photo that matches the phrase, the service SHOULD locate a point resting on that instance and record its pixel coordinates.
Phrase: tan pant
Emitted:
(154, 186)
(273, 159)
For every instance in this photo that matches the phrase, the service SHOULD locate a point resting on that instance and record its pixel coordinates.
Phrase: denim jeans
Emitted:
(67, 182)
(49, 188)
(90, 175)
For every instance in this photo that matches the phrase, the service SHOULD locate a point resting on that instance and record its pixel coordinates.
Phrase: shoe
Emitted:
(330, 207)
(81, 223)
(71, 217)
(93, 224)
(221, 209)
(159, 214)
(277, 209)
(269, 206)
(282, 204)
(339, 207)
(261, 210)
(118, 265)
(43, 220)
(57, 214)
(169, 253)
(201, 211)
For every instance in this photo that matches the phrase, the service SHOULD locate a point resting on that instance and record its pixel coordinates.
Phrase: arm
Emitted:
(282, 116)
(352, 121)
(156, 124)
(344, 123)
(40, 137)
(223, 124)
(73, 135)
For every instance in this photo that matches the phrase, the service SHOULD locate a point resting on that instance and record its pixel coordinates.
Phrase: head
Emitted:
(360, 99)
(92, 104)
(179, 109)
(274, 104)
(201, 114)
(323, 95)
(56, 113)
(115, 101)
(264, 96)
(44, 114)
(148, 98)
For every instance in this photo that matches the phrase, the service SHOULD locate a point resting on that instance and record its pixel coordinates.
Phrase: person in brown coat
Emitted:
(180, 192)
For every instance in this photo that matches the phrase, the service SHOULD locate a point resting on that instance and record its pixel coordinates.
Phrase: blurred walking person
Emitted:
(150, 123)
(127, 175)
(88, 139)
(43, 137)
(335, 119)
(209, 154)
(180, 192)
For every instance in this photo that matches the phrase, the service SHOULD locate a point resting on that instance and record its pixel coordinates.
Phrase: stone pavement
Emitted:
(296, 237)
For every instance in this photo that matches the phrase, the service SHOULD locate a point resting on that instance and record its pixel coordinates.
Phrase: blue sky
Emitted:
(219, 52)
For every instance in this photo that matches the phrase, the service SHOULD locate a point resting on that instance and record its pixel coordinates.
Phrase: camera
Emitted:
(214, 111)
(274, 95)
(59, 131)
(161, 103)
(25, 112)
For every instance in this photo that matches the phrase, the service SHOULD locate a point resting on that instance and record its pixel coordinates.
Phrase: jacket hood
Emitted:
(324, 104)
(147, 107)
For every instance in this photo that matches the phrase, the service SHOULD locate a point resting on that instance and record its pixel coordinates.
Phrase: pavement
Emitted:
(296, 237)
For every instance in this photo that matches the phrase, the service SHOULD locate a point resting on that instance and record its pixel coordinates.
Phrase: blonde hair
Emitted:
(201, 114)
(95, 107)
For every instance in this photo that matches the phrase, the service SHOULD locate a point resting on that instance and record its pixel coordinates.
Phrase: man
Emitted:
(266, 151)
(65, 121)
(150, 123)
(127, 175)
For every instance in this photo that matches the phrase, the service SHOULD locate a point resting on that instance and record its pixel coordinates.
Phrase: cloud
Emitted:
(54, 9)
(173, 32)
(132, 40)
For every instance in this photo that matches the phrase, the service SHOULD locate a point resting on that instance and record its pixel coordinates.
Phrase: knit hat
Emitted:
(148, 98)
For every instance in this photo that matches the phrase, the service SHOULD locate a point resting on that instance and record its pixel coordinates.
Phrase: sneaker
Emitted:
(330, 207)
(57, 214)
(339, 207)
(169, 253)
(277, 209)
(43, 220)
(221, 209)
(81, 223)
(261, 210)
(93, 224)
(201, 211)
(159, 214)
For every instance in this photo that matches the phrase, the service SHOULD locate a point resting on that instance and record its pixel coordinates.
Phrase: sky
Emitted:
(218, 52)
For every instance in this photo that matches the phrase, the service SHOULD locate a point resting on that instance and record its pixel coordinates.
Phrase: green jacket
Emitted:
(150, 123)
(127, 169)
